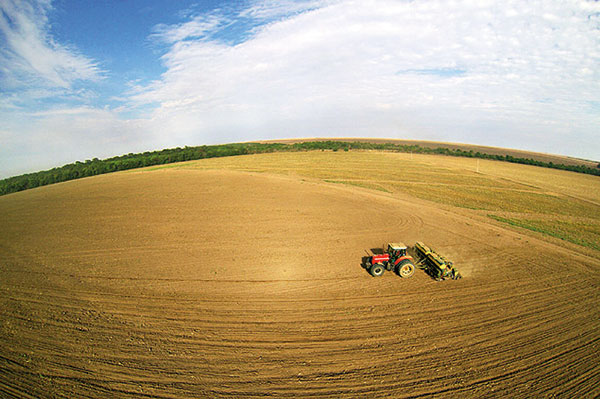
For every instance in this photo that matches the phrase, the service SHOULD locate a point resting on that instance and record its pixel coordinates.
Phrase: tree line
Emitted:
(96, 166)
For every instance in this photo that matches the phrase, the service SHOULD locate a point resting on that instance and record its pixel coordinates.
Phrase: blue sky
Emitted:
(83, 79)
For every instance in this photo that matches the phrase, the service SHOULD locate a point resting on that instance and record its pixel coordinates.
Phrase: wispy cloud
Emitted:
(272, 10)
(30, 56)
(197, 28)
(231, 25)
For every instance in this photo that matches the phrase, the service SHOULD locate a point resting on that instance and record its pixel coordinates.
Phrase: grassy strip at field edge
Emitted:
(551, 228)
(479, 198)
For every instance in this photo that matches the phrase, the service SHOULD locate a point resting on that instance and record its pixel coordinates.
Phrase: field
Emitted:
(241, 277)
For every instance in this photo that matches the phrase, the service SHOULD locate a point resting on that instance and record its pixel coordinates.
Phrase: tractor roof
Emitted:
(397, 245)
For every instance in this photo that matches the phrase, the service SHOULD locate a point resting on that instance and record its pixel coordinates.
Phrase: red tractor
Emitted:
(395, 258)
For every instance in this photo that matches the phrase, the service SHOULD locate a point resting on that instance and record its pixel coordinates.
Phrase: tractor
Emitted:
(395, 258)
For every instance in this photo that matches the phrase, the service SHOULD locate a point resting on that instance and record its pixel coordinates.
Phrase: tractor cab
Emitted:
(396, 249)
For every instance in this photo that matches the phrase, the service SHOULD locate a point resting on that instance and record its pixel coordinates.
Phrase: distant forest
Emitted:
(131, 161)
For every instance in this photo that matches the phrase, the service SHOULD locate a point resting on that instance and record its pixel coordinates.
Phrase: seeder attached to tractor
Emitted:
(435, 264)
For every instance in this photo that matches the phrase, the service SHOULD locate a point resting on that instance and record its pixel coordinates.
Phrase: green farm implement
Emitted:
(435, 264)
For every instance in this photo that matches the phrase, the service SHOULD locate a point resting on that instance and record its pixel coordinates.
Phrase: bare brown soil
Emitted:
(224, 284)
(538, 156)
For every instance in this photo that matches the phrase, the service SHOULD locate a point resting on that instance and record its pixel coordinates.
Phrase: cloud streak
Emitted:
(31, 57)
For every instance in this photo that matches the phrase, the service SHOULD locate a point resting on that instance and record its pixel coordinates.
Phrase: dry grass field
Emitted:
(241, 278)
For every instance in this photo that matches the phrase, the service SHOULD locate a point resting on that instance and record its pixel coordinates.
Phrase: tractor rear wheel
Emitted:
(405, 269)
(377, 270)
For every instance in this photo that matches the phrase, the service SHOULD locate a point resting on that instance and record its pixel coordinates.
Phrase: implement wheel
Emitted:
(377, 270)
(405, 269)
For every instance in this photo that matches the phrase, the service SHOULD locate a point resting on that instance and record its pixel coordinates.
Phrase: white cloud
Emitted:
(269, 10)
(197, 28)
(30, 56)
(341, 69)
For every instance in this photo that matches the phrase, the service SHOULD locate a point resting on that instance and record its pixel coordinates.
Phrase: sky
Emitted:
(83, 79)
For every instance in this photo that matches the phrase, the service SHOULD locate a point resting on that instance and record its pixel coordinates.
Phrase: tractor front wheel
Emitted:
(406, 269)
(377, 270)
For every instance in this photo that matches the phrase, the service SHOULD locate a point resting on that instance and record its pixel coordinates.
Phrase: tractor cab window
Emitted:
(396, 252)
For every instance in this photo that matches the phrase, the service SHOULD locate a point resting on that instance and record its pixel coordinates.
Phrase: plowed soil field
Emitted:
(234, 284)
